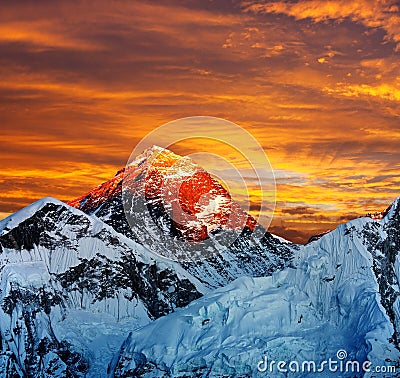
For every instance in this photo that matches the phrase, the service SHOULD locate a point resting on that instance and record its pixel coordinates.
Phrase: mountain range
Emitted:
(158, 273)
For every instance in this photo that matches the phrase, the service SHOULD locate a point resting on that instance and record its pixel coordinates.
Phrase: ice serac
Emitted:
(71, 287)
(175, 204)
(342, 293)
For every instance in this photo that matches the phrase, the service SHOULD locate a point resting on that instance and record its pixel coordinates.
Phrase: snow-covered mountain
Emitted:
(63, 275)
(341, 299)
(178, 210)
(180, 195)
(87, 293)
(73, 286)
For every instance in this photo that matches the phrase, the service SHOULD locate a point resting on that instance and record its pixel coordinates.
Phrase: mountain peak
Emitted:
(153, 152)
(176, 188)
(14, 219)
(391, 210)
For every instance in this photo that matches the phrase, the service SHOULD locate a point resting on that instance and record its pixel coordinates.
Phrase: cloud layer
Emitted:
(316, 82)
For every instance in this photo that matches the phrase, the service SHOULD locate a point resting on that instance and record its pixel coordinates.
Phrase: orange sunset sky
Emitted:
(316, 82)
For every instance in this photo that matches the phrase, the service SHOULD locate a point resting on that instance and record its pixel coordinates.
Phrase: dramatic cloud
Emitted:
(316, 82)
(384, 14)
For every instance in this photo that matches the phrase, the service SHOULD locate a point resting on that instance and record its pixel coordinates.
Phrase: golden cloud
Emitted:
(371, 13)
(382, 91)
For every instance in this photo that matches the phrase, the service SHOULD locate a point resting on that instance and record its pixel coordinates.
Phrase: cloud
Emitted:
(42, 35)
(298, 210)
(384, 14)
(292, 234)
(382, 91)
(379, 179)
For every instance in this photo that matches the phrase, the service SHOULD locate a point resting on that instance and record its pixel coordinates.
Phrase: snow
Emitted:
(281, 239)
(32, 274)
(98, 334)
